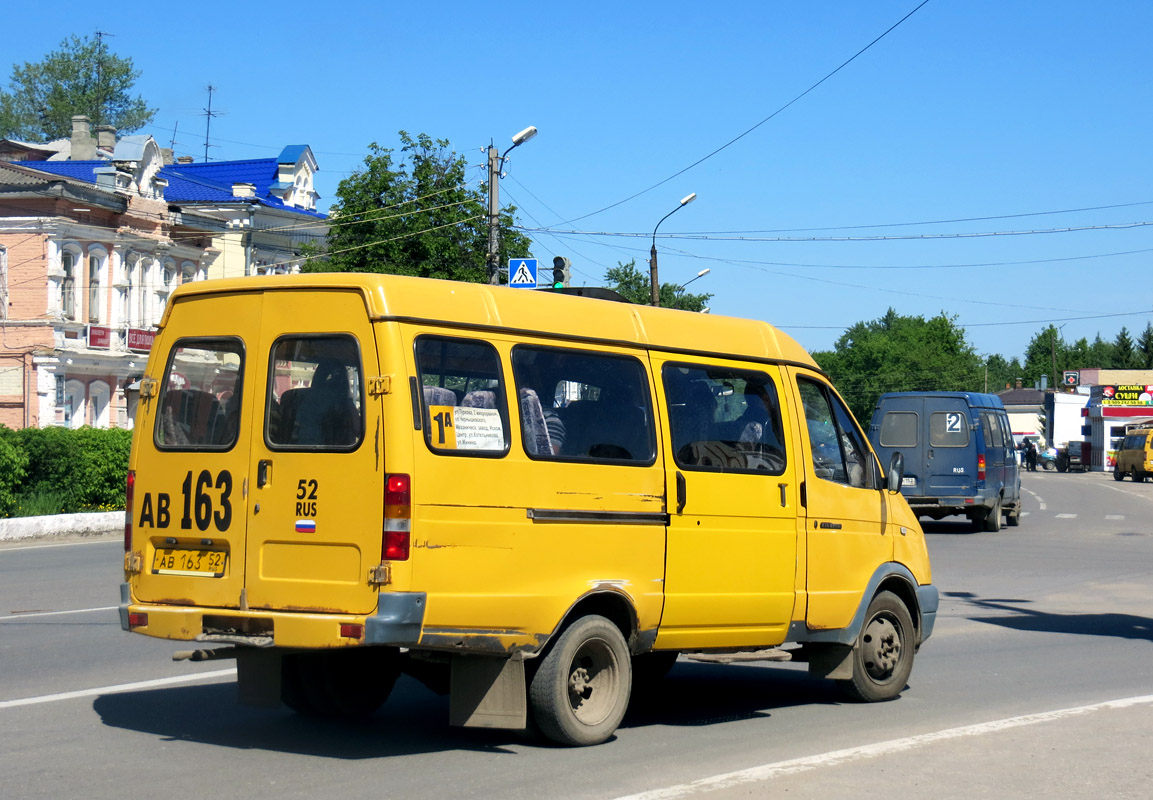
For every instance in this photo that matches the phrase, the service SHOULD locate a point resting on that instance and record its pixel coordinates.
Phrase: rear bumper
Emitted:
(288, 628)
(949, 505)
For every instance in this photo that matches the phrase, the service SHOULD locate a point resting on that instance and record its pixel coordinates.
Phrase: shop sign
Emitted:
(99, 337)
(1127, 395)
(140, 339)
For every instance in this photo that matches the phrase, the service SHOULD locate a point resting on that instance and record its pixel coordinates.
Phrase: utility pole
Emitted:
(495, 164)
(493, 215)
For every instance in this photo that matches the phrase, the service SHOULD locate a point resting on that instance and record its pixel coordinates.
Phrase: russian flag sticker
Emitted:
(306, 526)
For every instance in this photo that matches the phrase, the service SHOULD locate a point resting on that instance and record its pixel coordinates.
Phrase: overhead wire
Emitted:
(737, 138)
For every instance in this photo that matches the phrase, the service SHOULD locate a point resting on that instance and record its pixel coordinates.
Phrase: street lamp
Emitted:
(495, 165)
(700, 274)
(656, 299)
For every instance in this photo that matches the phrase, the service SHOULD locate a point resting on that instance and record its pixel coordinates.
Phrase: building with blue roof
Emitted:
(95, 234)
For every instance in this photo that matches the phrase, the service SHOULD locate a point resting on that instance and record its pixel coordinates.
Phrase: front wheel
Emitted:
(580, 693)
(883, 656)
(1118, 474)
(1050, 466)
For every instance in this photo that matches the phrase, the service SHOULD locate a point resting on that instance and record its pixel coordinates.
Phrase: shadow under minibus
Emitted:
(415, 720)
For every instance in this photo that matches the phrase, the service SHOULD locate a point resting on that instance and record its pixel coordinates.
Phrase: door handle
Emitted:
(682, 492)
(784, 498)
(263, 472)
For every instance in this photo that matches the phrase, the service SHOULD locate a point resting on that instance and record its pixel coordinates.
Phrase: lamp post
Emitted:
(495, 164)
(700, 274)
(656, 298)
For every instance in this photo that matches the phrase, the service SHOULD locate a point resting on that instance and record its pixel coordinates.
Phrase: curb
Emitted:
(19, 528)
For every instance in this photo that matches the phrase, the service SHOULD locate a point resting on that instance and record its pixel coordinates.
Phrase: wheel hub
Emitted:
(881, 646)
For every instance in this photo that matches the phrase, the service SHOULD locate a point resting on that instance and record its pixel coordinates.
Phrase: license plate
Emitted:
(175, 561)
(908, 481)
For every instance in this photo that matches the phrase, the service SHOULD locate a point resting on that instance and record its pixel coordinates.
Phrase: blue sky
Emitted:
(1003, 110)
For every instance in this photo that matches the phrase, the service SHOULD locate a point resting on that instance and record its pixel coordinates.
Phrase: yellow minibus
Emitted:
(531, 501)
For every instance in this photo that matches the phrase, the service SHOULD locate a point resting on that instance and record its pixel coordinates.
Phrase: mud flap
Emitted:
(258, 678)
(833, 661)
(488, 692)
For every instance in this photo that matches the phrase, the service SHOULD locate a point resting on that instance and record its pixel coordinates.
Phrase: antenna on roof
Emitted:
(209, 114)
(100, 101)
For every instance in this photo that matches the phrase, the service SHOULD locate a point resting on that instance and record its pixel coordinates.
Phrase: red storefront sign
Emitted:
(99, 336)
(140, 339)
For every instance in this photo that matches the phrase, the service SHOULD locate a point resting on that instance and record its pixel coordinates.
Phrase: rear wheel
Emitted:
(993, 518)
(580, 693)
(1013, 518)
(347, 683)
(1050, 466)
(883, 657)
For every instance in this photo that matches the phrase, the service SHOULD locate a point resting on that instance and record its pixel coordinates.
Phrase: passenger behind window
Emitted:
(327, 414)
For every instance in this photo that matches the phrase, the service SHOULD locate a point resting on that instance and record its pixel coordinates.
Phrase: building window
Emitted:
(3, 282)
(68, 284)
(95, 267)
(98, 395)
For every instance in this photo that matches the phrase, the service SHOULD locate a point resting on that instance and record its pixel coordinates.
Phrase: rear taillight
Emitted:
(980, 468)
(129, 491)
(397, 518)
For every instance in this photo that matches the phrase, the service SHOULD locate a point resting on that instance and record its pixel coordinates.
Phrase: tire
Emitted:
(883, 655)
(1013, 518)
(993, 518)
(1050, 466)
(1118, 475)
(347, 683)
(580, 692)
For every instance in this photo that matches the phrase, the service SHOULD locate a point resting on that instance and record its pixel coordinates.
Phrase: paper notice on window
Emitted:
(464, 428)
(478, 429)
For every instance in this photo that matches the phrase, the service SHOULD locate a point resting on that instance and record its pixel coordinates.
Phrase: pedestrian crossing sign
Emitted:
(522, 273)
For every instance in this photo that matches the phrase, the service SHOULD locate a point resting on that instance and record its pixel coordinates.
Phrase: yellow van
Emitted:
(530, 500)
(1135, 456)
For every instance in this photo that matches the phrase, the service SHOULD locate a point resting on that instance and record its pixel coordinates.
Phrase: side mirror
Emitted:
(896, 473)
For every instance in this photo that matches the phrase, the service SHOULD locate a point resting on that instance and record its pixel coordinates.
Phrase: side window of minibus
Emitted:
(315, 394)
(464, 410)
(838, 449)
(200, 396)
(576, 404)
(724, 420)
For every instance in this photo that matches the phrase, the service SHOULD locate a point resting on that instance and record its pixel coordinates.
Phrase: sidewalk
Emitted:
(27, 528)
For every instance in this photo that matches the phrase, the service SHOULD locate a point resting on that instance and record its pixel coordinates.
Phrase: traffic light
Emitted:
(561, 272)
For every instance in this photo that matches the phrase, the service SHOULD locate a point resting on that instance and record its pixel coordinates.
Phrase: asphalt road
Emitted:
(1038, 682)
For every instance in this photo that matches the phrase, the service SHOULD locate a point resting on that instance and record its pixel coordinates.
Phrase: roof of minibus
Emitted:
(475, 305)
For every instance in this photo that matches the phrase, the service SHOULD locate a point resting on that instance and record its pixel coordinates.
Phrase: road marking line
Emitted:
(1066, 516)
(1035, 496)
(123, 687)
(16, 615)
(835, 757)
(16, 546)
(1115, 516)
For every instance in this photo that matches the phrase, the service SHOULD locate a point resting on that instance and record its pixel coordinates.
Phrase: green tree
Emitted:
(1100, 353)
(636, 287)
(82, 77)
(897, 353)
(415, 215)
(1145, 347)
(1125, 355)
(1047, 354)
(1001, 373)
